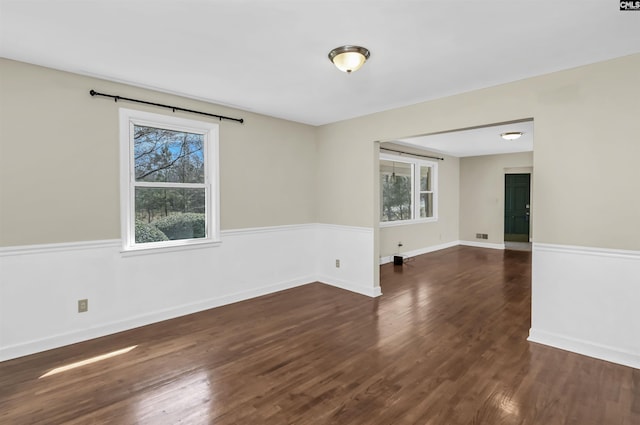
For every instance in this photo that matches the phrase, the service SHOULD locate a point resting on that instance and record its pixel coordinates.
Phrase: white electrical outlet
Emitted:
(337, 264)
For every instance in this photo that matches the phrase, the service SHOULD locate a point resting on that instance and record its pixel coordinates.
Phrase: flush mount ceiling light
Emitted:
(511, 135)
(349, 58)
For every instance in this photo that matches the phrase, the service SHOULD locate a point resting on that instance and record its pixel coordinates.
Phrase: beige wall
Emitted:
(59, 156)
(347, 170)
(59, 159)
(586, 151)
(482, 193)
(418, 236)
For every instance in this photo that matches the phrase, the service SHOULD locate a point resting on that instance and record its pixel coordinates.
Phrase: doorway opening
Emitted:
(517, 211)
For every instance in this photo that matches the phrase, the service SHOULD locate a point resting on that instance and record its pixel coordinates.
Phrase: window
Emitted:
(408, 190)
(169, 181)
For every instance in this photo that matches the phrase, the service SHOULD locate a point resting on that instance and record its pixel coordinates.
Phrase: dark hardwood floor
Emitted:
(445, 344)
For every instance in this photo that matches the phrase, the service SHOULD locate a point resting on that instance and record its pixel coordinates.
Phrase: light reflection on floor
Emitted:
(86, 362)
(195, 396)
(394, 333)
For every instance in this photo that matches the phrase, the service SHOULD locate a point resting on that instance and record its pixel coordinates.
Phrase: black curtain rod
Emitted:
(174, 108)
(414, 154)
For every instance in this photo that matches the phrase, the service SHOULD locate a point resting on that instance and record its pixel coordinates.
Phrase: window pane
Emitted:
(396, 191)
(426, 205)
(168, 156)
(169, 214)
(425, 178)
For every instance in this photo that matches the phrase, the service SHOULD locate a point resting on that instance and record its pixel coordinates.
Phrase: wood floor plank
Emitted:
(445, 345)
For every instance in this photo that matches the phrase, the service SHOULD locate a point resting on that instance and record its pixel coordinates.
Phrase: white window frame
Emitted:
(415, 189)
(128, 119)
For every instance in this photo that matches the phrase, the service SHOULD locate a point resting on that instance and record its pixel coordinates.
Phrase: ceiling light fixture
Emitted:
(511, 135)
(349, 58)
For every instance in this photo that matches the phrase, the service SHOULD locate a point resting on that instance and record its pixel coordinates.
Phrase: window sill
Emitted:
(132, 252)
(408, 222)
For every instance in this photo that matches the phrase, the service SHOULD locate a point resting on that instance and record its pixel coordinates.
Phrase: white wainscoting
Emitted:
(587, 300)
(353, 246)
(40, 285)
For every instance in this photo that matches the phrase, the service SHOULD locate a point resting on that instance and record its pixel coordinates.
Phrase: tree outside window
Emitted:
(171, 163)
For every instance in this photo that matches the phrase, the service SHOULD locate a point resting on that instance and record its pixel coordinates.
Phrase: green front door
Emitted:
(517, 193)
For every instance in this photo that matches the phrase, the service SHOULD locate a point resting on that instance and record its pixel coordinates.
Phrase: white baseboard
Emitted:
(60, 340)
(369, 291)
(585, 348)
(420, 251)
(483, 244)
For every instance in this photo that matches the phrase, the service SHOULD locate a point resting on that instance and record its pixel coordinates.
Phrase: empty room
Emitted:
(306, 212)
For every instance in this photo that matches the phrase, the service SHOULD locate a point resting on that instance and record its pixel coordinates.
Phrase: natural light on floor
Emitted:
(88, 361)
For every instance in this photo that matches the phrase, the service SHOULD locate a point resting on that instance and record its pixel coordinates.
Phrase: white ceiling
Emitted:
(270, 56)
(476, 141)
